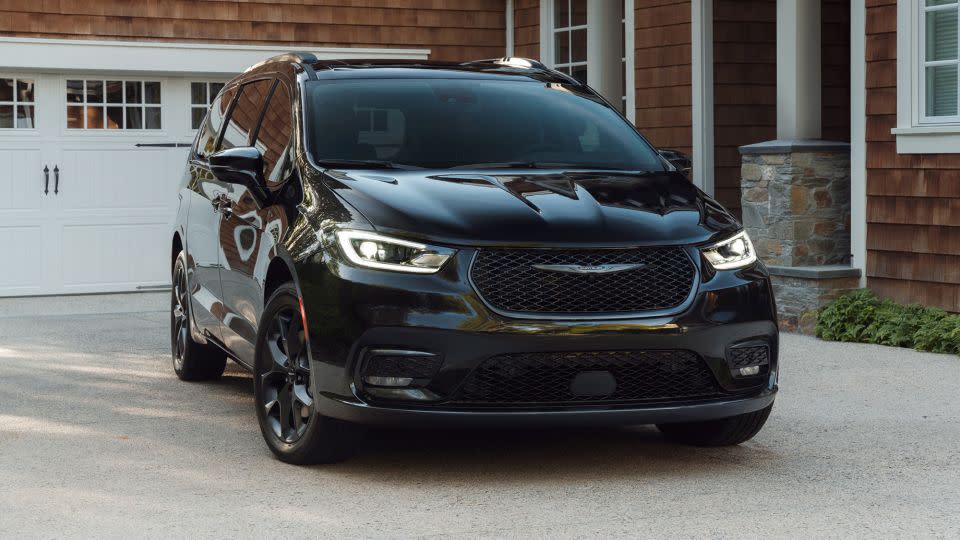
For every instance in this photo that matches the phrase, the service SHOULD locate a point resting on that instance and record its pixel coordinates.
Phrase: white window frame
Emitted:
(143, 105)
(917, 133)
(547, 32)
(191, 105)
(17, 103)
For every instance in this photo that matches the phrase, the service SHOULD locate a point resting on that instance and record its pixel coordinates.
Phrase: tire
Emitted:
(192, 361)
(723, 432)
(286, 410)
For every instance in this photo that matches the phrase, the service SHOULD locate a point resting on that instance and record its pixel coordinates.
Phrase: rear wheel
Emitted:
(192, 361)
(722, 432)
(286, 411)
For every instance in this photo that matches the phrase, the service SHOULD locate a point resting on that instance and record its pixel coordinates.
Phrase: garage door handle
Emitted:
(56, 180)
(46, 180)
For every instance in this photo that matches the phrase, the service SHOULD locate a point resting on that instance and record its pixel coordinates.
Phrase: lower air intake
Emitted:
(579, 377)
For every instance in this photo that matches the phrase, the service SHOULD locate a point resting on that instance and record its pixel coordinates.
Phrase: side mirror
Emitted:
(241, 165)
(677, 159)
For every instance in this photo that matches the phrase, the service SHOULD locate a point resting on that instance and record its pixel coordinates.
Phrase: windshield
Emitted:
(444, 123)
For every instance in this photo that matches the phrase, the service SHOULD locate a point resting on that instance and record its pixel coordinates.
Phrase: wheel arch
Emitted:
(278, 273)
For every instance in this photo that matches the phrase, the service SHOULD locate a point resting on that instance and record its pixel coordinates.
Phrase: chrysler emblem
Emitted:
(588, 269)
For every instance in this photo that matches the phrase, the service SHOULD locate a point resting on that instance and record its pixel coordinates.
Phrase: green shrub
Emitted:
(862, 317)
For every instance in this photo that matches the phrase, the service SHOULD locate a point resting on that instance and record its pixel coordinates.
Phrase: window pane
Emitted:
(75, 117)
(941, 98)
(196, 117)
(24, 90)
(215, 89)
(114, 117)
(210, 129)
(114, 92)
(94, 91)
(273, 137)
(132, 93)
(942, 35)
(580, 73)
(94, 117)
(940, 2)
(6, 89)
(151, 117)
(579, 12)
(75, 92)
(245, 114)
(561, 48)
(578, 47)
(6, 116)
(198, 93)
(561, 13)
(151, 92)
(25, 116)
(134, 118)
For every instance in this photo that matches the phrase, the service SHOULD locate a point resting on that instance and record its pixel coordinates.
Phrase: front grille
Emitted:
(508, 281)
(548, 378)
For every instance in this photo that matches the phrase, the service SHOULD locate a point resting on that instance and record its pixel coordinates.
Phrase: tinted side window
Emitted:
(207, 139)
(273, 137)
(243, 118)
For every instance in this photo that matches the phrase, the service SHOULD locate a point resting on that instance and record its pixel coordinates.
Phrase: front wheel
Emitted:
(722, 432)
(286, 410)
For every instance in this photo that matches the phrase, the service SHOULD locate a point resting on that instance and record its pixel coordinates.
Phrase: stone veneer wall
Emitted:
(796, 206)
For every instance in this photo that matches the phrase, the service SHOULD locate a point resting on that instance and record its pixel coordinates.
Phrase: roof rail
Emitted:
(296, 57)
(511, 61)
(524, 63)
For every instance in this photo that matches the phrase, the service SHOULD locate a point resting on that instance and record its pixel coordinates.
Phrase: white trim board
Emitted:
(858, 138)
(164, 58)
(702, 87)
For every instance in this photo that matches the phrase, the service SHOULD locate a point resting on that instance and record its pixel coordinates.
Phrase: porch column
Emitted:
(795, 191)
(798, 69)
(605, 49)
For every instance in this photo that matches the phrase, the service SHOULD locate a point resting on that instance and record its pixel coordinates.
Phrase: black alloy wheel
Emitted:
(192, 361)
(283, 394)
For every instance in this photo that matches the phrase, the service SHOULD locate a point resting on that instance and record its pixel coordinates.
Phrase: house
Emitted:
(830, 126)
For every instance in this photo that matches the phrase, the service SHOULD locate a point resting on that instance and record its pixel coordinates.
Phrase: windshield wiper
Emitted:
(363, 164)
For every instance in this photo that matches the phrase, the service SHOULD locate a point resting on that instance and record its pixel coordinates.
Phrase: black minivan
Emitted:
(438, 244)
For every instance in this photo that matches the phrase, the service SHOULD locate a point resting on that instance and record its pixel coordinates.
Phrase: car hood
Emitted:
(535, 207)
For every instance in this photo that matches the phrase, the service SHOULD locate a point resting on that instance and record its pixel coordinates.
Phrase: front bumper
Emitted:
(351, 311)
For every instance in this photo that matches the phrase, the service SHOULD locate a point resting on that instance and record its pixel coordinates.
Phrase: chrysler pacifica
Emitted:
(480, 244)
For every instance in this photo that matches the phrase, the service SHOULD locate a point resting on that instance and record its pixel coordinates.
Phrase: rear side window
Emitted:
(210, 128)
(274, 134)
(245, 114)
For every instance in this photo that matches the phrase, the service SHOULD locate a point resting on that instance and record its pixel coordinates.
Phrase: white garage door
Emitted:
(89, 171)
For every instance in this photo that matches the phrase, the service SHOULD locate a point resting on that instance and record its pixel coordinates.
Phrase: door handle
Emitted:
(46, 180)
(56, 179)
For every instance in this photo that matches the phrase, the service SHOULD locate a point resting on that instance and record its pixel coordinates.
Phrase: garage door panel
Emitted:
(22, 268)
(21, 180)
(116, 179)
(119, 255)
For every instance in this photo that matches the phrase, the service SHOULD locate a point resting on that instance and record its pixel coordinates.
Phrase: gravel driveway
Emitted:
(99, 439)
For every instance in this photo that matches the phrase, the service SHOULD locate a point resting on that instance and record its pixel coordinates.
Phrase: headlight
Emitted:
(734, 252)
(377, 251)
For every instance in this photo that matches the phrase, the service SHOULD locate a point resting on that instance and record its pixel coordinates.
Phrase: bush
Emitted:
(862, 317)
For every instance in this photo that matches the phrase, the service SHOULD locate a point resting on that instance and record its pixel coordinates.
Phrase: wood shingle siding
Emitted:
(526, 28)
(662, 68)
(913, 201)
(461, 30)
(745, 87)
(835, 69)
